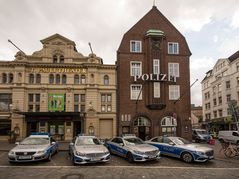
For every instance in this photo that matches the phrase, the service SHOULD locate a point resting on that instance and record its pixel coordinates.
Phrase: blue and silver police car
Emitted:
(88, 149)
(132, 148)
(36, 147)
(181, 148)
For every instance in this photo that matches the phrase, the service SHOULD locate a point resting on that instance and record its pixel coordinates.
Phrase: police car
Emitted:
(181, 148)
(88, 149)
(36, 147)
(132, 148)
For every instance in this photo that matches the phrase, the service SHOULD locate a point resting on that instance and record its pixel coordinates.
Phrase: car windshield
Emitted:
(35, 141)
(88, 141)
(133, 141)
(202, 132)
(180, 141)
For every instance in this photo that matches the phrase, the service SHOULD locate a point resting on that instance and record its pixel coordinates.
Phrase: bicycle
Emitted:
(229, 149)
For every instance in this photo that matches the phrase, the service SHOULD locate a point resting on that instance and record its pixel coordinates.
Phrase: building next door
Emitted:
(142, 127)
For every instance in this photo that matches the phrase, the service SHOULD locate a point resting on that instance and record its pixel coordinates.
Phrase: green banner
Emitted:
(56, 102)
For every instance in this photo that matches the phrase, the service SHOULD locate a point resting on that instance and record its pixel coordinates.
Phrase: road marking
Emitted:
(135, 167)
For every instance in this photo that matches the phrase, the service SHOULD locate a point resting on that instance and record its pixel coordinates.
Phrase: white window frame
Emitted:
(173, 48)
(134, 94)
(174, 92)
(133, 71)
(156, 89)
(173, 69)
(156, 66)
(135, 46)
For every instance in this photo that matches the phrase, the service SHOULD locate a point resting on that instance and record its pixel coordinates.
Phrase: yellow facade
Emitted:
(87, 88)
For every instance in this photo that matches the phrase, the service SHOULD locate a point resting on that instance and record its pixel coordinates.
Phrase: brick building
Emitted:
(153, 78)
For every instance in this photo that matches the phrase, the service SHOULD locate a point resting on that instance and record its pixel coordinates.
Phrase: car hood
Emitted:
(91, 149)
(21, 148)
(195, 147)
(143, 147)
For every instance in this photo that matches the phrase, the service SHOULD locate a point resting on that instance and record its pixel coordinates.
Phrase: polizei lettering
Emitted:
(154, 77)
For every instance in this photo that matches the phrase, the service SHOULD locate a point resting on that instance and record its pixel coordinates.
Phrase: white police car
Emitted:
(88, 149)
(36, 147)
(132, 148)
(181, 148)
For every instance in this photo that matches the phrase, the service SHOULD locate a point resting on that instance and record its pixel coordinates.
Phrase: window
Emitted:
(51, 78)
(5, 127)
(82, 98)
(76, 79)
(64, 78)
(214, 101)
(173, 48)
(220, 112)
(5, 101)
(4, 78)
(83, 80)
(61, 59)
(79, 101)
(54, 59)
(229, 111)
(228, 97)
(76, 98)
(106, 80)
(76, 108)
(228, 86)
(135, 46)
(174, 92)
(10, 78)
(219, 100)
(30, 97)
(156, 89)
(169, 125)
(156, 66)
(136, 69)
(173, 69)
(135, 92)
(34, 102)
(31, 78)
(30, 108)
(38, 78)
(58, 79)
(215, 114)
(106, 103)
(237, 64)
(219, 86)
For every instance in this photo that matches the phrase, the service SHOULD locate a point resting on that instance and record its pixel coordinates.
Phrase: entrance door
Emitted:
(142, 126)
(77, 128)
(141, 131)
(31, 127)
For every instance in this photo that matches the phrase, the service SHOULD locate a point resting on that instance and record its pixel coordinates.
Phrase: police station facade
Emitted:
(153, 79)
(57, 90)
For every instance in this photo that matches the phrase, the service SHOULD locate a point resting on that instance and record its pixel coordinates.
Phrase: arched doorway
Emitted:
(142, 127)
(169, 126)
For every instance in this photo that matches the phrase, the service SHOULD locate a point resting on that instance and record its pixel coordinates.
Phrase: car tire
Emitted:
(187, 157)
(130, 157)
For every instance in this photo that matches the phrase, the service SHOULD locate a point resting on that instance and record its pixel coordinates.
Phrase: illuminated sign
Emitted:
(56, 102)
(58, 70)
(154, 77)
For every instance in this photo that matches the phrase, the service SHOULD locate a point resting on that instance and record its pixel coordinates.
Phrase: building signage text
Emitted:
(155, 77)
(58, 70)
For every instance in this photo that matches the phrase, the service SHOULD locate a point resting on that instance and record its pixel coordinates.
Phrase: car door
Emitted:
(120, 147)
(157, 142)
(167, 147)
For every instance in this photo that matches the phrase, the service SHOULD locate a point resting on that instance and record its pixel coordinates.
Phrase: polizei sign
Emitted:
(154, 77)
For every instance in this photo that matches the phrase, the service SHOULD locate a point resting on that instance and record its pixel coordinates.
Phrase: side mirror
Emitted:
(17, 143)
(53, 143)
(121, 144)
(71, 144)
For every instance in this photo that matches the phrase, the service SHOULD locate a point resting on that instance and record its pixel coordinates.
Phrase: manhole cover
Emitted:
(73, 176)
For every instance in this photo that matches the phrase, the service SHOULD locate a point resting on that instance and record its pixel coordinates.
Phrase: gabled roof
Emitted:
(57, 36)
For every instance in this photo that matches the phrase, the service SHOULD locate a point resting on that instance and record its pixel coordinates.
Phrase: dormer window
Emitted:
(54, 59)
(58, 59)
(61, 59)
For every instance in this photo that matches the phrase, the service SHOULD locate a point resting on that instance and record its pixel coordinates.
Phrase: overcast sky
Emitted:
(211, 27)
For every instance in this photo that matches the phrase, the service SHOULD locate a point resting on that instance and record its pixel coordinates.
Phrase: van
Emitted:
(201, 135)
(229, 136)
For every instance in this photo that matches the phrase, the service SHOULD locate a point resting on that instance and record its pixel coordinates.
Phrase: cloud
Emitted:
(235, 20)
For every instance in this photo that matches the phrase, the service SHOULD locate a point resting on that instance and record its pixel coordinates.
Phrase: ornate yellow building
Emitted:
(57, 90)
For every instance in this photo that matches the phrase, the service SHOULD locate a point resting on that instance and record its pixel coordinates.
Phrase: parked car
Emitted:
(36, 147)
(229, 136)
(88, 149)
(201, 135)
(181, 148)
(132, 148)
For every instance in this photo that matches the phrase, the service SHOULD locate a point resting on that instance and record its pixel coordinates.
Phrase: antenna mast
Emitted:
(90, 48)
(15, 46)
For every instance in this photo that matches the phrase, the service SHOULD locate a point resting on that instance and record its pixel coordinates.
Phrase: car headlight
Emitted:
(200, 153)
(106, 152)
(11, 153)
(41, 152)
(138, 152)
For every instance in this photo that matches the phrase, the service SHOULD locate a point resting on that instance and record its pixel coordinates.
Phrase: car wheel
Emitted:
(130, 157)
(187, 157)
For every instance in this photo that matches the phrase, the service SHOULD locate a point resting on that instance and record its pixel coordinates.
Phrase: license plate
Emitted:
(25, 157)
(211, 157)
(95, 159)
(151, 156)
